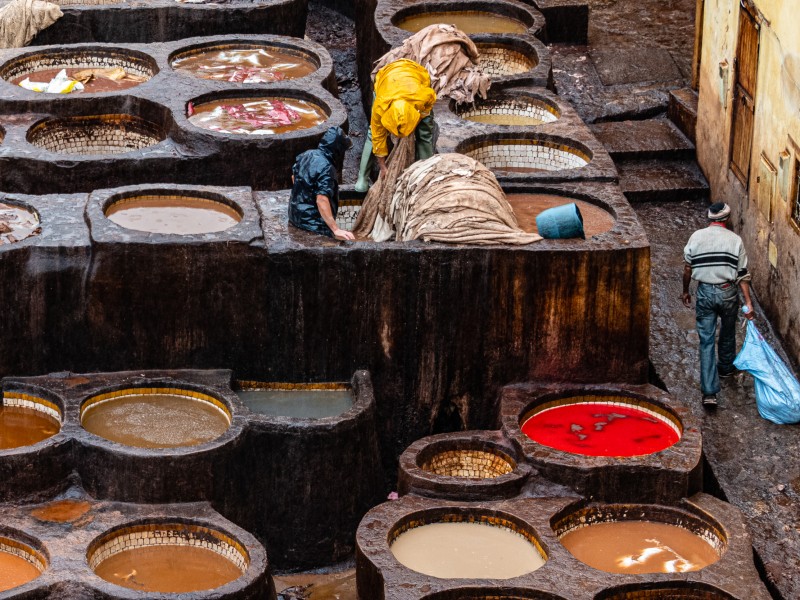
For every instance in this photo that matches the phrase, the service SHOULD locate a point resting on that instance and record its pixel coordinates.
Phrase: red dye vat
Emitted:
(601, 429)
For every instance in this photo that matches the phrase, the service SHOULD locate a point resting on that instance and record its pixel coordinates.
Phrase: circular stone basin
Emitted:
(168, 558)
(473, 463)
(501, 60)
(528, 206)
(456, 547)
(602, 426)
(26, 420)
(19, 563)
(491, 594)
(611, 539)
(245, 63)
(509, 110)
(100, 134)
(474, 21)
(99, 69)
(672, 591)
(300, 401)
(17, 223)
(175, 213)
(527, 155)
(256, 116)
(156, 417)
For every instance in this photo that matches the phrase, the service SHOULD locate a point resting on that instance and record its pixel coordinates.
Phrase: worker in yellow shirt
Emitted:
(403, 104)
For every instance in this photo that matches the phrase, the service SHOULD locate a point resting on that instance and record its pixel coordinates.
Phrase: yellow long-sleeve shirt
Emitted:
(403, 95)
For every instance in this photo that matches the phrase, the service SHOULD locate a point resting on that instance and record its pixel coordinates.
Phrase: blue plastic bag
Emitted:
(777, 389)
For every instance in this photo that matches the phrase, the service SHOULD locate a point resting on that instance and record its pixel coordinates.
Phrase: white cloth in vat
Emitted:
(21, 20)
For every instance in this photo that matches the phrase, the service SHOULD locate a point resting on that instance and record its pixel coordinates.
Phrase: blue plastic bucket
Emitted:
(561, 222)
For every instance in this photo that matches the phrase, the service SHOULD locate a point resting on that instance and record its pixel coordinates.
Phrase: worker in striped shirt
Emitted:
(715, 258)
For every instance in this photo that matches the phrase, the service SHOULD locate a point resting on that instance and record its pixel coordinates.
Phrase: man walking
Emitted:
(715, 258)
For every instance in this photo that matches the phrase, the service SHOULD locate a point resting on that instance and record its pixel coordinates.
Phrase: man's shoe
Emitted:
(709, 401)
(727, 374)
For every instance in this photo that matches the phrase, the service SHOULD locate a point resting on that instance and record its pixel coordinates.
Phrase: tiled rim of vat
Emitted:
(246, 385)
(492, 518)
(360, 386)
(83, 56)
(398, 11)
(300, 48)
(44, 133)
(239, 548)
(200, 198)
(27, 548)
(104, 230)
(318, 98)
(12, 201)
(39, 401)
(674, 590)
(546, 153)
(660, 413)
(695, 521)
(179, 389)
(491, 593)
(417, 476)
(522, 103)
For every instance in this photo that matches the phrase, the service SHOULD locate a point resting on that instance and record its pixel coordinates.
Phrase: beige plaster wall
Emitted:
(773, 245)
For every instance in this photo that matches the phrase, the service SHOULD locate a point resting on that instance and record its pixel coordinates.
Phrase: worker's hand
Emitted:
(382, 166)
(750, 314)
(343, 234)
(686, 297)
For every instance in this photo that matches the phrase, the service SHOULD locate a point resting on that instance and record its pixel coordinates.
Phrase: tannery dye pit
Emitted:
(528, 206)
(466, 550)
(154, 418)
(299, 402)
(639, 547)
(16, 565)
(26, 420)
(61, 511)
(250, 64)
(256, 116)
(16, 223)
(467, 21)
(173, 213)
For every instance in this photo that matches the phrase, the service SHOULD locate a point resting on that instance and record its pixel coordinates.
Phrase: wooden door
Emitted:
(744, 93)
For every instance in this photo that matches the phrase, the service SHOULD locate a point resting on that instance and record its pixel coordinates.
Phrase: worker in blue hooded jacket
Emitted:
(315, 190)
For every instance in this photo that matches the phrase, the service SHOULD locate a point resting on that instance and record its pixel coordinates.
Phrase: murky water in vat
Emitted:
(600, 429)
(256, 116)
(96, 85)
(302, 404)
(245, 65)
(168, 569)
(24, 426)
(505, 119)
(639, 547)
(61, 511)
(16, 223)
(173, 214)
(467, 21)
(156, 421)
(466, 550)
(528, 206)
(15, 571)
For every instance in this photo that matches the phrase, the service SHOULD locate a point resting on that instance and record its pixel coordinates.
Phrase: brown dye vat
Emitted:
(155, 420)
(256, 116)
(466, 551)
(168, 569)
(505, 119)
(25, 426)
(95, 86)
(639, 547)
(182, 215)
(467, 21)
(245, 65)
(16, 223)
(61, 511)
(472, 464)
(319, 586)
(528, 206)
(15, 570)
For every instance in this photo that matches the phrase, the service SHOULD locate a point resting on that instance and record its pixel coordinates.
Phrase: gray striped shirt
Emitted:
(716, 255)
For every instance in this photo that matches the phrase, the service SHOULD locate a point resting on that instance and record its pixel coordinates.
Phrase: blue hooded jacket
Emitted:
(315, 174)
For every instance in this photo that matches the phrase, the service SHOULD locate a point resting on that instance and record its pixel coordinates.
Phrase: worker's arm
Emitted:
(687, 279)
(380, 138)
(744, 285)
(324, 206)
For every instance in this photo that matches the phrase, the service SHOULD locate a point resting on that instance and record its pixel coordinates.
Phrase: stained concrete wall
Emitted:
(776, 130)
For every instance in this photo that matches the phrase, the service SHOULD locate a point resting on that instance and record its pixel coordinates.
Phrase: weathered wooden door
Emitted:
(744, 93)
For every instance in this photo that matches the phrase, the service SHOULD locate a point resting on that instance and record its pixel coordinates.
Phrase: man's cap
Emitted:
(719, 211)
